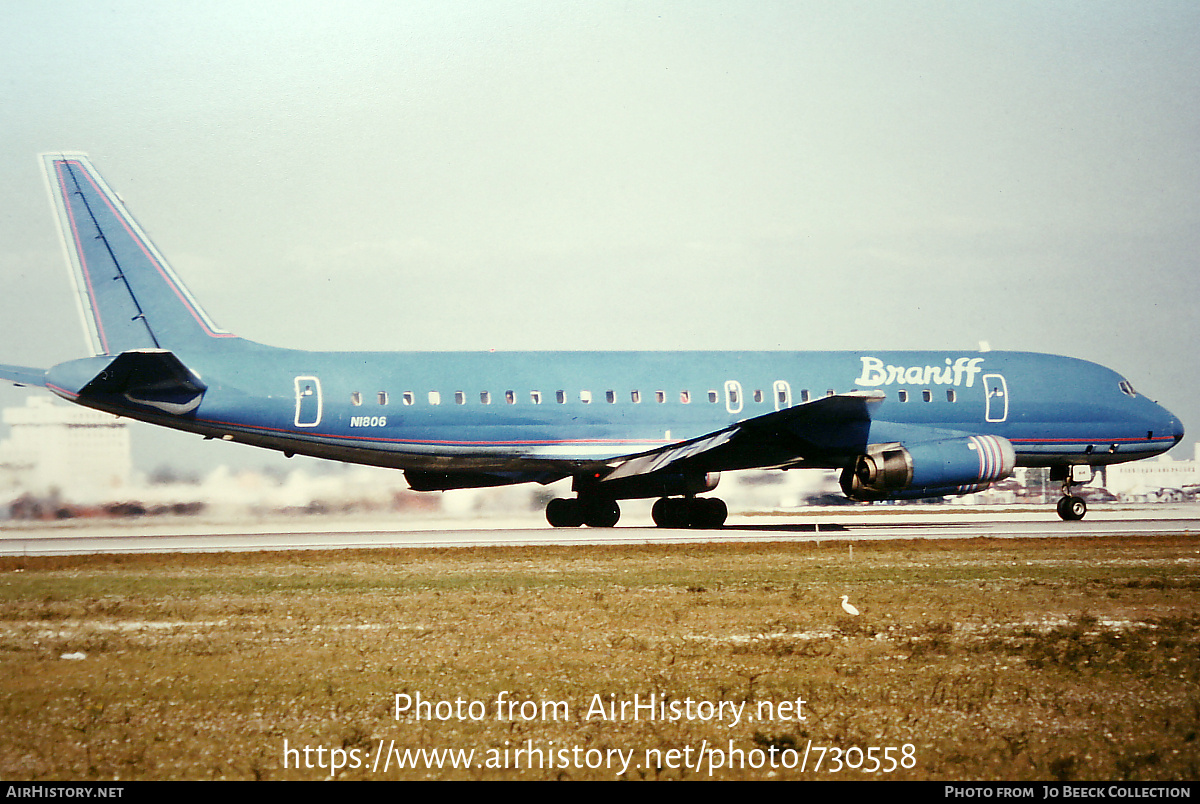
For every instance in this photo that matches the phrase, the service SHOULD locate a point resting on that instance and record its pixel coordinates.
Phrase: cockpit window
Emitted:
(1127, 388)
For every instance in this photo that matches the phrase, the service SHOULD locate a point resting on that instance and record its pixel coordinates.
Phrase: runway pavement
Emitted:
(186, 535)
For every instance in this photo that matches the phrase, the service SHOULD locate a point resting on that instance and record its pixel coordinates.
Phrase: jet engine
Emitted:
(929, 468)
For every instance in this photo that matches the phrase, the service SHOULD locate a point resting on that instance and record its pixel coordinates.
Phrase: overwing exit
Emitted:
(623, 425)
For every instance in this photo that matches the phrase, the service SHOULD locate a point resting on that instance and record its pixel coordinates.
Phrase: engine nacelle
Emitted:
(929, 469)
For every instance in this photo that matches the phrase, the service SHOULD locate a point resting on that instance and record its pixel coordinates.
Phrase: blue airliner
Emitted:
(621, 425)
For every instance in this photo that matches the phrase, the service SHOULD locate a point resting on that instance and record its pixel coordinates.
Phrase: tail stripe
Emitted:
(94, 303)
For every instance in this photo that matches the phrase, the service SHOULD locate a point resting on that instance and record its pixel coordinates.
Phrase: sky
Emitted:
(616, 175)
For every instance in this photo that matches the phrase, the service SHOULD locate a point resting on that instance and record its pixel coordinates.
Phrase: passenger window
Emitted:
(510, 397)
(610, 396)
(951, 396)
(585, 397)
(355, 398)
(660, 396)
(804, 395)
(902, 395)
(435, 398)
(783, 394)
(758, 395)
(636, 396)
(485, 397)
(535, 397)
(712, 396)
(927, 395)
(685, 397)
(561, 396)
(460, 398)
(383, 398)
(407, 397)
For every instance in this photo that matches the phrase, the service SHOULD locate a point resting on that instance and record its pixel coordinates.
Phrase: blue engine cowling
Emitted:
(929, 469)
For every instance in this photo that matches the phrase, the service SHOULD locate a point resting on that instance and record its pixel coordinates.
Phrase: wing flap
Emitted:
(793, 434)
(660, 459)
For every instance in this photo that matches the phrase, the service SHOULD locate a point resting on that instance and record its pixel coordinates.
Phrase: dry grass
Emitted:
(994, 659)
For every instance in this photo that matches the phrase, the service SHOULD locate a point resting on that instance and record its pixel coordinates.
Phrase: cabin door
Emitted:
(733, 396)
(997, 397)
(308, 401)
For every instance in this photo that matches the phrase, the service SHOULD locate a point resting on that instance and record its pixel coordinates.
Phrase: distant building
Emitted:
(1151, 477)
(80, 452)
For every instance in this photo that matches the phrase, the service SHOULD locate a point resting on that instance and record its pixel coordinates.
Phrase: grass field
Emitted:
(972, 659)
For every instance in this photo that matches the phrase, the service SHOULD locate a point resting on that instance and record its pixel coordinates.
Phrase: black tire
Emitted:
(1063, 513)
(564, 513)
(600, 513)
(1072, 509)
(670, 512)
(708, 513)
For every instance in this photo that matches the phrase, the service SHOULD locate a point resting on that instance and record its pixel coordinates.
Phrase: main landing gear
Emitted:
(702, 513)
(1070, 507)
(668, 512)
(595, 512)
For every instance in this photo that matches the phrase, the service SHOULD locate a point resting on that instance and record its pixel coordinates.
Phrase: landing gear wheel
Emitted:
(685, 512)
(670, 512)
(600, 513)
(1072, 509)
(709, 513)
(564, 513)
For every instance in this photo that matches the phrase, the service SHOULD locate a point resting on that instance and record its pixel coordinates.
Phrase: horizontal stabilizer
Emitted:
(20, 375)
(151, 377)
(829, 420)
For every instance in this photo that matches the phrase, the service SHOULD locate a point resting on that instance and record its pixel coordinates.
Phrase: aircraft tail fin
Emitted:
(128, 296)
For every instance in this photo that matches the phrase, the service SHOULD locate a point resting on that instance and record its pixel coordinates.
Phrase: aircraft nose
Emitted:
(1175, 428)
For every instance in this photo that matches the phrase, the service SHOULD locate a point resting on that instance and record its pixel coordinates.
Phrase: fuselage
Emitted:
(555, 412)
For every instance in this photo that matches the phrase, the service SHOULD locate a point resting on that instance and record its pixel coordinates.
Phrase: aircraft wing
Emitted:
(21, 375)
(810, 431)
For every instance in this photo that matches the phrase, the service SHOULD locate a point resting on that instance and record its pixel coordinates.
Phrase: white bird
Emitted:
(847, 606)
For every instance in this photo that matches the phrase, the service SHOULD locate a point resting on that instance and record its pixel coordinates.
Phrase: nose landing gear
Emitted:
(1070, 507)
